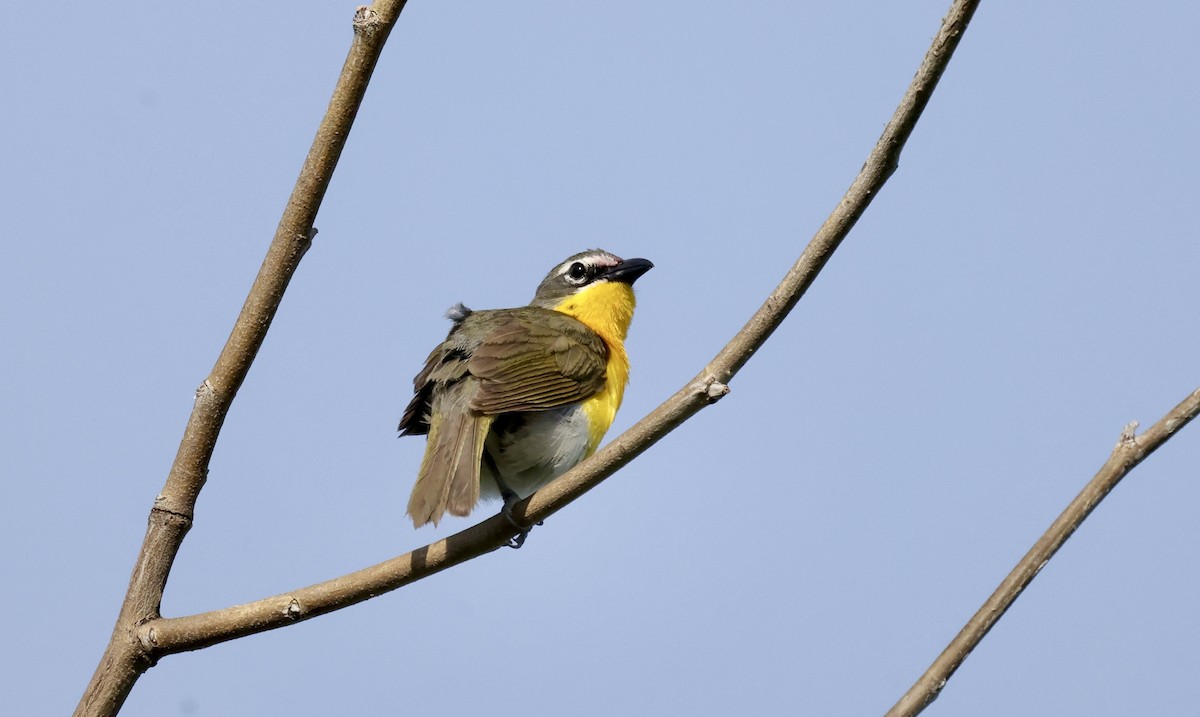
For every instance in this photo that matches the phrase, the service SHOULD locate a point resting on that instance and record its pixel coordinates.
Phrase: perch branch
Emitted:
(170, 635)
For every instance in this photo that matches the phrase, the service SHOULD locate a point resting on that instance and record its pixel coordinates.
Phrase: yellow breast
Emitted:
(607, 308)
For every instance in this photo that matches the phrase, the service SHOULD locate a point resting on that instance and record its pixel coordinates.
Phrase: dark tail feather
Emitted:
(464, 476)
(449, 475)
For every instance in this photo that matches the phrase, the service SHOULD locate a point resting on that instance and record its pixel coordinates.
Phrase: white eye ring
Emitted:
(577, 272)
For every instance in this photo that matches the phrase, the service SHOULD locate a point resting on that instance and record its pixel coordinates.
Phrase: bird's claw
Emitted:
(516, 541)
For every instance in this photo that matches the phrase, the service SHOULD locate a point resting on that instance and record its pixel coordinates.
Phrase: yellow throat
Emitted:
(605, 307)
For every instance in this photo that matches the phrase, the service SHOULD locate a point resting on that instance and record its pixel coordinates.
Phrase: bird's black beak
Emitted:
(628, 270)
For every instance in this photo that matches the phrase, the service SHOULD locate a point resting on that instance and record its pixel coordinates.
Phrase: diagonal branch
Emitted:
(170, 635)
(125, 659)
(1128, 453)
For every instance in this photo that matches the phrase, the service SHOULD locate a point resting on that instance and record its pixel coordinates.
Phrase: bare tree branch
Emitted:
(170, 635)
(126, 658)
(1128, 453)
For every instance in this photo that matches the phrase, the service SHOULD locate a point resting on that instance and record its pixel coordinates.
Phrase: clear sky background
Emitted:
(1024, 286)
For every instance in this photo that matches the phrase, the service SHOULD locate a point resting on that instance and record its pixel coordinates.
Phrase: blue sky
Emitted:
(1021, 289)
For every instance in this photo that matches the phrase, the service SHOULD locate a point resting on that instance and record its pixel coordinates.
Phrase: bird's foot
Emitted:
(511, 499)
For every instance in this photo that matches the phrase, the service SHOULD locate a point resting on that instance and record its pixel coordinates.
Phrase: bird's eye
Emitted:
(577, 272)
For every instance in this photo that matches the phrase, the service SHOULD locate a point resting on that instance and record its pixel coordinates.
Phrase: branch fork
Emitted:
(141, 636)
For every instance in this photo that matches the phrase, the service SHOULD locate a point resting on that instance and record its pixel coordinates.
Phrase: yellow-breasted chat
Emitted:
(514, 398)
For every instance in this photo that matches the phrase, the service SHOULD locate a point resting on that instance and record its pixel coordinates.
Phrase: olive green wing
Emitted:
(446, 364)
(534, 360)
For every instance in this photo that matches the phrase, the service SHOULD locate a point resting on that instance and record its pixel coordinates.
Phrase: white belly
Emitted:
(531, 449)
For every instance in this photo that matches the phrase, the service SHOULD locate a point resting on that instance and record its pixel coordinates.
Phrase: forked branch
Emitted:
(125, 657)
(169, 635)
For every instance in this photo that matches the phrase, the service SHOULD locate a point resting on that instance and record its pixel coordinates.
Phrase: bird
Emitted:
(514, 398)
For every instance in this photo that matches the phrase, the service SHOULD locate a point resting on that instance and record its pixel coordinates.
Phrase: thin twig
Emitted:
(126, 658)
(1128, 453)
(169, 635)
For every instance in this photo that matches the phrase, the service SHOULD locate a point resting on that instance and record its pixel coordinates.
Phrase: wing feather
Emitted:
(535, 360)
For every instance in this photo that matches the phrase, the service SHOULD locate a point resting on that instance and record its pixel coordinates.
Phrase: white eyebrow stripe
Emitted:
(591, 261)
